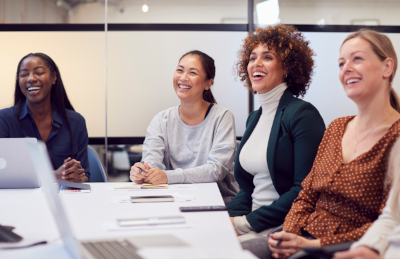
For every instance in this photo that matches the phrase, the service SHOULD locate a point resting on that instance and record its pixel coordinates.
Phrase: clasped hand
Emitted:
(71, 171)
(148, 174)
(289, 245)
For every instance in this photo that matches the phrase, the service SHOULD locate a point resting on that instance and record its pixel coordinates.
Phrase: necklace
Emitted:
(355, 132)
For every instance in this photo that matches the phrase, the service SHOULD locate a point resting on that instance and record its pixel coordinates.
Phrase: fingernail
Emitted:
(63, 173)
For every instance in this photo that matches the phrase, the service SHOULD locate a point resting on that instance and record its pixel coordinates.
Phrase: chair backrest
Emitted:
(97, 171)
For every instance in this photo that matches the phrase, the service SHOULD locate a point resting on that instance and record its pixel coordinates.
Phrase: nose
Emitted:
(184, 77)
(31, 77)
(258, 62)
(347, 67)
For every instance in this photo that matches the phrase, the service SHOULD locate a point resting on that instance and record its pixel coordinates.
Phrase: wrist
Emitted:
(315, 243)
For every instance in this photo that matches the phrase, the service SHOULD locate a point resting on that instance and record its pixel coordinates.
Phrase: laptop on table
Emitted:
(89, 249)
(16, 166)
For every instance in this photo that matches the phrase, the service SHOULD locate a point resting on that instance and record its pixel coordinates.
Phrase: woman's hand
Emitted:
(360, 252)
(233, 223)
(289, 245)
(156, 176)
(137, 176)
(71, 171)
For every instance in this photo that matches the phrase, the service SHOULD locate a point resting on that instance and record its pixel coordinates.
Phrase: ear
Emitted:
(388, 66)
(209, 83)
(54, 79)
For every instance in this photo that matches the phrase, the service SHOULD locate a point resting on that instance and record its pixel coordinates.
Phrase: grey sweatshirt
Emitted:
(202, 153)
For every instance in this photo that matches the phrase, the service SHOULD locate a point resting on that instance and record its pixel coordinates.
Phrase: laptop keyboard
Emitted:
(112, 250)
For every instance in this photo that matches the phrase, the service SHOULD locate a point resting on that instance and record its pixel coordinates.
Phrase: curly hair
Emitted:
(292, 49)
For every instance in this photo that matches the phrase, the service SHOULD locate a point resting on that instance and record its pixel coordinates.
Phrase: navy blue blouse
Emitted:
(59, 141)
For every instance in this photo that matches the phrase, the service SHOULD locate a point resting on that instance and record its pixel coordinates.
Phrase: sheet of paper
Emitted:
(113, 226)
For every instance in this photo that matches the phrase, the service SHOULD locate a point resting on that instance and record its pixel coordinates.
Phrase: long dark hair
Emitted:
(58, 96)
(209, 67)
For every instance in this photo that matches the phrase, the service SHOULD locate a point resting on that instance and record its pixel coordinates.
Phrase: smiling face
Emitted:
(35, 80)
(362, 73)
(190, 79)
(265, 69)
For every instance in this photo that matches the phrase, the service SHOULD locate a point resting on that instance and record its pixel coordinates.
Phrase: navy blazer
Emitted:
(296, 133)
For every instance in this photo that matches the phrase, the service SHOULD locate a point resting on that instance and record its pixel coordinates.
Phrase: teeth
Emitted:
(259, 74)
(350, 81)
(33, 88)
(184, 87)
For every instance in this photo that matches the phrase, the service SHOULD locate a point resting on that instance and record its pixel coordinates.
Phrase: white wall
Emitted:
(166, 11)
(326, 92)
(31, 11)
(214, 11)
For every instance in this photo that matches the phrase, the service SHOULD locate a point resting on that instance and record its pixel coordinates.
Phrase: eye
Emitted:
(193, 73)
(23, 75)
(179, 70)
(252, 58)
(357, 58)
(268, 58)
(341, 64)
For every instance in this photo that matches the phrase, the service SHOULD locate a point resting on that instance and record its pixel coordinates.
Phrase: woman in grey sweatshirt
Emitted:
(194, 142)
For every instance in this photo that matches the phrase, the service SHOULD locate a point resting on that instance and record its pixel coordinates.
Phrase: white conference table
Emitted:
(29, 213)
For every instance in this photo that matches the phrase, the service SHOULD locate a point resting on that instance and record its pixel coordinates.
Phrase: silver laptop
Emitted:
(16, 167)
(89, 249)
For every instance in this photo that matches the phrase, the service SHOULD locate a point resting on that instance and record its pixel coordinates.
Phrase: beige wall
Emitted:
(80, 58)
(140, 70)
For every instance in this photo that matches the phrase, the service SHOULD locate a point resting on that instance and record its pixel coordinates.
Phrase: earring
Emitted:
(285, 75)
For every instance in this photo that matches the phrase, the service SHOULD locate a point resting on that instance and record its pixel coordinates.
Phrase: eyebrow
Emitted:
(353, 53)
(265, 52)
(24, 69)
(189, 69)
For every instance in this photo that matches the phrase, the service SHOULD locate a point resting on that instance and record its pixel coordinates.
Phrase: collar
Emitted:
(56, 119)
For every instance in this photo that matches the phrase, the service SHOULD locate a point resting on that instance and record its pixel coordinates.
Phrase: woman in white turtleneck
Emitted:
(282, 137)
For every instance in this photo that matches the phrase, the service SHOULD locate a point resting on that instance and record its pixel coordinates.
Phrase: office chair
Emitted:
(97, 171)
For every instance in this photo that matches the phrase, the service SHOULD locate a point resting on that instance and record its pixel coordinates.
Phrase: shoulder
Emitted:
(220, 111)
(167, 113)
(74, 117)
(297, 105)
(8, 112)
(338, 124)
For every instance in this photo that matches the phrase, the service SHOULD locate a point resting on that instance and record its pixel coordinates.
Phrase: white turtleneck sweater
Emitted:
(253, 156)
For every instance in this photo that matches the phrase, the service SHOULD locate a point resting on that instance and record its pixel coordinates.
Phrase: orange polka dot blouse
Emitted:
(339, 201)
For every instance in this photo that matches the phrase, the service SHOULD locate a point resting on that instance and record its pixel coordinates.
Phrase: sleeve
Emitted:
(154, 145)
(4, 132)
(240, 205)
(302, 207)
(220, 157)
(83, 142)
(242, 225)
(353, 235)
(381, 229)
(307, 130)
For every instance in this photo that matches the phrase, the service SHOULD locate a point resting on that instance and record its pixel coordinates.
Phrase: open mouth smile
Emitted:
(258, 75)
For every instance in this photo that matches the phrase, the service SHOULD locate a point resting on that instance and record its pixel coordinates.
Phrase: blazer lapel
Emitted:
(249, 129)
(273, 137)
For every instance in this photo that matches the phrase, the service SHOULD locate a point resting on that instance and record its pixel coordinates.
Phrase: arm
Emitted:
(307, 129)
(3, 128)
(82, 155)
(154, 145)
(220, 157)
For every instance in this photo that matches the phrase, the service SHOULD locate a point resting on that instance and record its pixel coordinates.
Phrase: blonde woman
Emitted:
(382, 239)
(345, 191)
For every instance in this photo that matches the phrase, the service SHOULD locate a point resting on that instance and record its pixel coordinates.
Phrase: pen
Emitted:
(140, 169)
(280, 240)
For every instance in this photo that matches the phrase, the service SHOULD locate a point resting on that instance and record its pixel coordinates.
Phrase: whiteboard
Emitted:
(326, 92)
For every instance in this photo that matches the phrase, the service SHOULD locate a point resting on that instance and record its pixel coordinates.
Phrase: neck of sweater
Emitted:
(272, 96)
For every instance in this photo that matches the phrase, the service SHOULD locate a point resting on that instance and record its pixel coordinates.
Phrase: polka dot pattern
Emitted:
(339, 201)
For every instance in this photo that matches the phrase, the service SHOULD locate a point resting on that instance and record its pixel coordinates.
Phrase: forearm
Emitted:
(201, 174)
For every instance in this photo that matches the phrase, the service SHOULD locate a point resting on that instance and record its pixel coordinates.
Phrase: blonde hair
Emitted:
(383, 48)
(393, 179)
